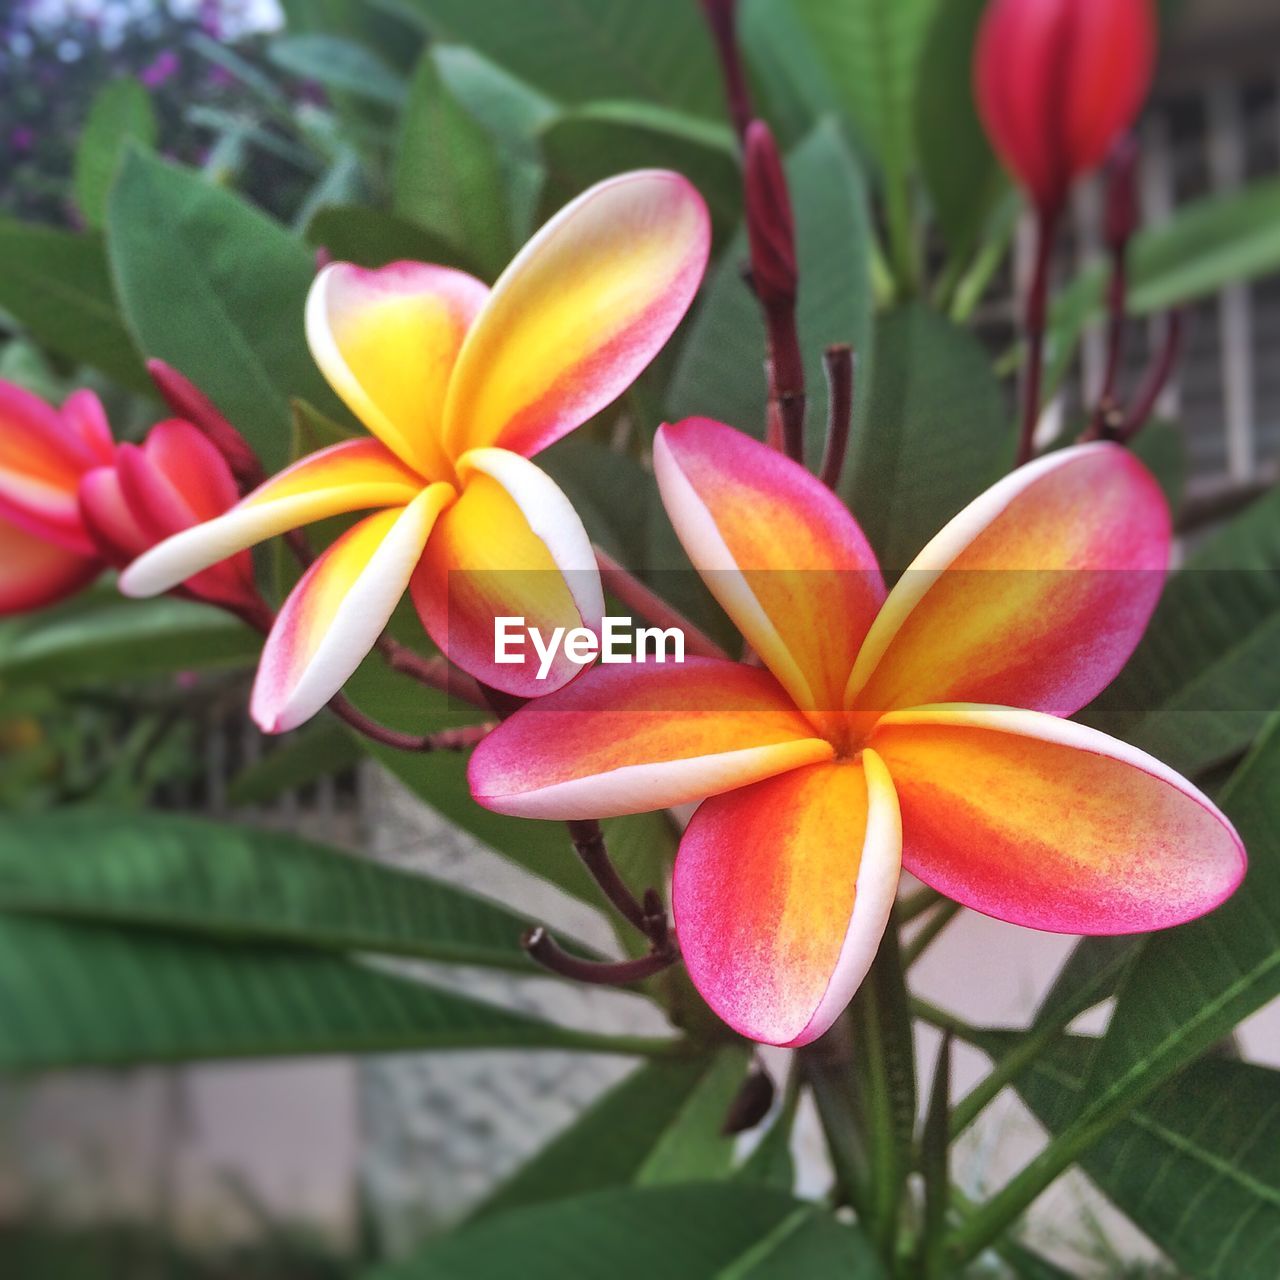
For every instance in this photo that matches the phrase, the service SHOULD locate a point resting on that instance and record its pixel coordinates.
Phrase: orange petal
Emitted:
(633, 738)
(579, 313)
(782, 892)
(352, 476)
(512, 546)
(338, 610)
(1050, 824)
(1033, 596)
(777, 548)
(35, 573)
(387, 340)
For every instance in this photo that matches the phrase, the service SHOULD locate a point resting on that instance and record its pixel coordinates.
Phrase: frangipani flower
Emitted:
(460, 385)
(73, 501)
(919, 726)
(45, 552)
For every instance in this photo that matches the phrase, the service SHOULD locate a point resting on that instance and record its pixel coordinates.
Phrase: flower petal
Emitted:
(338, 609)
(1033, 596)
(634, 738)
(1050, 824)
(387, 339)
(41, 461)
(581, 310)
(35, 573)
(512, 546)
(777, 548)
(782, 892)
(351, 476)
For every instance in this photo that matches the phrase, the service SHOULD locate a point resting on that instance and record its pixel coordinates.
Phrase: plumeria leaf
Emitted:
(694, 1231)
(373, 238)
(340, 65)
(239, 884)
(658, 51)
(58, 287)
(216, 289)
(1197, 1166)
(90, 994)
(719, 373)
(447, 176)
(932, 432)
(315, 752)
(661, 1123)
(121, 112)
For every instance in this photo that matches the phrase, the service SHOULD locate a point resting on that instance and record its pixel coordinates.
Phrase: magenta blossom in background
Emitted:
(162, 69)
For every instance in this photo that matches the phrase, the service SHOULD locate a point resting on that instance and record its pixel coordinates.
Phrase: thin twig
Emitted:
(1036, 313)
(837, 360)
(651, 606)
(589, 844)
(722, 19)
(544, 950)
(1158, 375)
(928, 932)
(459, 739)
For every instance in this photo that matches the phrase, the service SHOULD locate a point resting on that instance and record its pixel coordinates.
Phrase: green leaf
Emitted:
(960, 169)
(1160, 446)
(631, 1133)
(91, 995)
(318, 750)
(217, 289)
(238, 883)
(600, 139)
(121, 112)
(1204, 678)
(57, 286)
(340, 65)
(720, 1231)
(373, 237)
(871, 49)
(1204, 246)
(447, 177)
(932, 432)
(719, 371)
(611, 491)
(1197, 1166)
(658, 51)
(101, 636)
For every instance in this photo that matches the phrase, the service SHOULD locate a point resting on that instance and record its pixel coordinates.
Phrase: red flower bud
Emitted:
(1057, 81)
(190, 403)
(770, 224)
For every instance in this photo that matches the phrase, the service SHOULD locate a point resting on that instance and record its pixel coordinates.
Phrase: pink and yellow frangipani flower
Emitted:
(919, 726)
(45, 552)
(459, 386)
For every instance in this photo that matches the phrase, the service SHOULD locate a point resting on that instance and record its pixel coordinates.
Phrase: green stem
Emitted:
(902, 242)
(928, 932)
(828, 1068)
(915, 904)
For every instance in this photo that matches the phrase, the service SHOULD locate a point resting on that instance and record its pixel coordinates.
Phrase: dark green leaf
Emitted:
(447, 175)
(121, 112)
(1160, 446)
(217, 289)
(372, 238)
(719, 372)
(658, 51)
(243, 884)
(1204, 678)
(1197, 1166)
(631, 1134)
(340, 65)
(57, 286)
(91, 995)
(932, 432)
(603, 138)
(960, 169)
(101, 636)
(722, 1231)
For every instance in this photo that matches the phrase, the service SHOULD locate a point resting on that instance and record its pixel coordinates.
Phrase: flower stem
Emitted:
(928, 932)
(547, 952)
(1037, 307)
(459, 739)
(839, 365)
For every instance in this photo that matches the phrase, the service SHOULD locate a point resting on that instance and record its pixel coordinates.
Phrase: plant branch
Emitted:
(459, 739)
(1157, 379)
(838, 362)
(915, 904)
(934, 1146)
(546, 951)
(651, 606)
(589, 845)
(721, 17)
(1037, 306)
(945, 913)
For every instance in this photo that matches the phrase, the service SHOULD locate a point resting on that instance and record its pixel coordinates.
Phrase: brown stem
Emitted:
(1158, 375)
(1034, 324)
(722, 19)
(544, 949)
(651, 606)
(588, 843)
(460, 739)
(838, 362)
